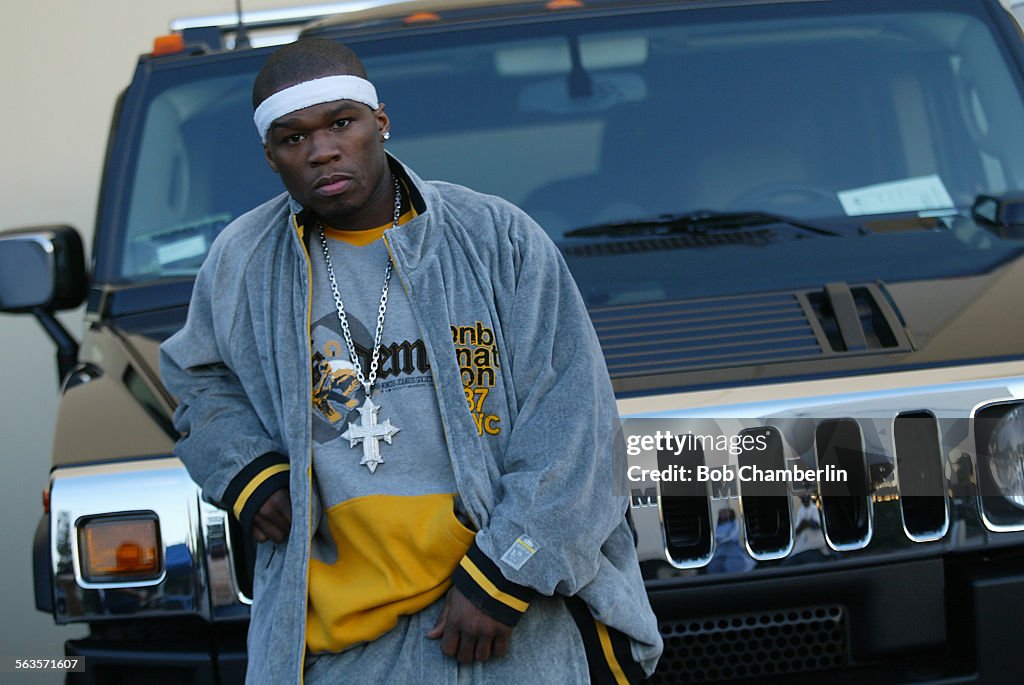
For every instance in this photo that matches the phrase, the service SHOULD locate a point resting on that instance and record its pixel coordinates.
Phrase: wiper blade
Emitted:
(693, 222)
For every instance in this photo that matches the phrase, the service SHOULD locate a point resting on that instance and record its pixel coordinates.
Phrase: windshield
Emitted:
(882, 127)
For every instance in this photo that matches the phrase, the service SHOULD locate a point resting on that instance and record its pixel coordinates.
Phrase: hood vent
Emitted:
(857, 319)
(689, 335)
(684, 335)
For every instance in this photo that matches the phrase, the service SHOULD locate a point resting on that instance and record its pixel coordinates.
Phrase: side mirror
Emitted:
(41, 268)
(1002, 214)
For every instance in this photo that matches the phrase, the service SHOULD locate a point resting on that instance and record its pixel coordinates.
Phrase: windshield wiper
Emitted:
(693, 222)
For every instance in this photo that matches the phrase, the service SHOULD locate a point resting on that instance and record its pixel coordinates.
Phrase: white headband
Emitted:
(309, 93)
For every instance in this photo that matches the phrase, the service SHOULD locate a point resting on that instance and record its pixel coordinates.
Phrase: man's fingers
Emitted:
(269, 529)
(277, 534)
(501, 641)
(483, 648)
(286, 508)
(470, 634)
(273, 520)
(281, 504)
(442, 618)
(277, 519)
(278, 509)
(467, 647)
(450, 641)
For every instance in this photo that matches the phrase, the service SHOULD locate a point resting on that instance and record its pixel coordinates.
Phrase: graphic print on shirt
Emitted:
(336, 389)
(476, 352)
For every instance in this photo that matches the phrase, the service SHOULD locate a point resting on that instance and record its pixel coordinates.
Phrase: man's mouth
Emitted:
(332, 185)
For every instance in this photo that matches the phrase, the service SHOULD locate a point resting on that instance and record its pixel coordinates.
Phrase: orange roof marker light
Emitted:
(421, 18)
(563, 5)
(168, 45)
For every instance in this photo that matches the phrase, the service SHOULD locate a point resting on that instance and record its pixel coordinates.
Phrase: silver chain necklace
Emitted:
(368, 431)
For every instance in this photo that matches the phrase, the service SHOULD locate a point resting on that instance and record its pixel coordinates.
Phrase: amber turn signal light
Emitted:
(168, 45)
(563, 4)
(421, 18)
(116, 549)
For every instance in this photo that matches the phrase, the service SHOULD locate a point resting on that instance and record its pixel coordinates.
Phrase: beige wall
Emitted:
(64, 61)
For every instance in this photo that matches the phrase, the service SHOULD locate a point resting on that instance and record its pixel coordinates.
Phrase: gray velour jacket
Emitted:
(533, 466)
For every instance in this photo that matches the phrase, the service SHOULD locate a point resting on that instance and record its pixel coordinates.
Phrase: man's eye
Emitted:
(342, 123)
(293, 138)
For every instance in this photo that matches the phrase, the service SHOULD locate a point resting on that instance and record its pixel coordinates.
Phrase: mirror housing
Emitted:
(41, 268)
(1002, 214)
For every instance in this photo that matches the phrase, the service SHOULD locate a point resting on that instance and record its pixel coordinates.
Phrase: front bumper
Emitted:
(165, 652)
(937, 621)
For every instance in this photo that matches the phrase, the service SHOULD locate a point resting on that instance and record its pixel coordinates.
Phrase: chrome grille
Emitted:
(918, 467)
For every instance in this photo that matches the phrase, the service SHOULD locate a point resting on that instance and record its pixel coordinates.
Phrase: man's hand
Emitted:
(468, 633)
(274, 519)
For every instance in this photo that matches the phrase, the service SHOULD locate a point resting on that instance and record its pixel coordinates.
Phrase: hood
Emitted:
(113, 405)
(827, 330)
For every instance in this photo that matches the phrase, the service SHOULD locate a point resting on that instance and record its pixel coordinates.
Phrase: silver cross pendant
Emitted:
(368, 432)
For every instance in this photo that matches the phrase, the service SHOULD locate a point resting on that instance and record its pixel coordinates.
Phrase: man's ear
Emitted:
(270, 158)
(383, 122)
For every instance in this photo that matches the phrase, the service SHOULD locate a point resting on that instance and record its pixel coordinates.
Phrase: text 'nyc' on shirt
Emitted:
(388, 541)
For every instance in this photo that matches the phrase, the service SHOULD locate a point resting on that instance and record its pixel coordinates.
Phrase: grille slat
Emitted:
(686, 512)
(846, 505)
(919, 468)
(765, 505)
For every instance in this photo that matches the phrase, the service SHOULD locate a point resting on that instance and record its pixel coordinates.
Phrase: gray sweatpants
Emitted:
(546, 648)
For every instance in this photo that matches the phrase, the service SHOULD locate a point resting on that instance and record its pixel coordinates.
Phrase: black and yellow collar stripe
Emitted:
(482, 582)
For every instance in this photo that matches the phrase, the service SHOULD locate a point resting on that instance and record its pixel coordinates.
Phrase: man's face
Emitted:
(331, 159)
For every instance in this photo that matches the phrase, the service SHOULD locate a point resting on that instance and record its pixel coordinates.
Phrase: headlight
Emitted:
(1006, 455)
(999, 441)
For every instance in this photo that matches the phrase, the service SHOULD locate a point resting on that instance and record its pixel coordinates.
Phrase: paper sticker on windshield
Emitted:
(181, 249)
(909, 195)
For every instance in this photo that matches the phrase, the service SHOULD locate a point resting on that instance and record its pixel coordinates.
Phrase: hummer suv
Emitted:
(796, 222)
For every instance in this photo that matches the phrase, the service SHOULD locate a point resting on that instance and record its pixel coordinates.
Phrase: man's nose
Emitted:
(323, 148)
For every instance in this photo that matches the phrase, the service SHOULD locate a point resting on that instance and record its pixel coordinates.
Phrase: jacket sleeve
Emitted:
(557, 503)
(223, 442)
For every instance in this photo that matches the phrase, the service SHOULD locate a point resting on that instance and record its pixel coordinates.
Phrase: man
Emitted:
(394, 385)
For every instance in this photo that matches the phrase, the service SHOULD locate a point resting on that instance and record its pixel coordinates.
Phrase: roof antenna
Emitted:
(241, 36)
